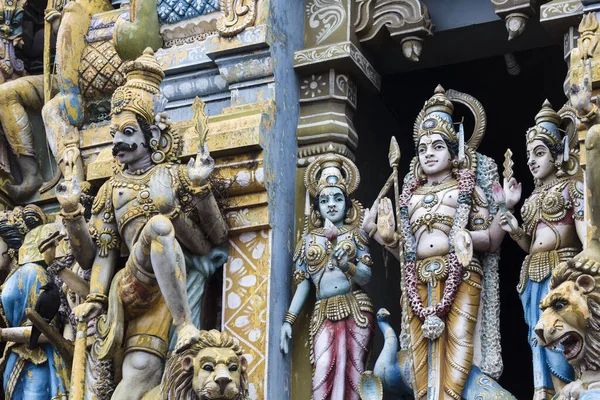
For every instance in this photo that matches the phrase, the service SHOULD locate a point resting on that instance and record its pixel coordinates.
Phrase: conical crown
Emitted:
(546, 125)
(138, 95)
(436, 117)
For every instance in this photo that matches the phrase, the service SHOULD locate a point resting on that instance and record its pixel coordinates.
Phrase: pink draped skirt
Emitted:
(340, 350)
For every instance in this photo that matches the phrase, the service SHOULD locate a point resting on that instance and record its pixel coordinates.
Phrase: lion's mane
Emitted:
(591, 351)
(177, 383)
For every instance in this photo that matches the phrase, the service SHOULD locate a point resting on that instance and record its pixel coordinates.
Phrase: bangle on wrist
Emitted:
(72, 216)
(518, 235)
(290, 318)
(394, 243)
(587, 117)
(351, 271)
(97, 297)
(200, 190)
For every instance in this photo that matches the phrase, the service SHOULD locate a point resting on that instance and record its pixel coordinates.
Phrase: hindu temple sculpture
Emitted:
(159, 211)
(553, 229)
(17, 92)
(333, 254)
(11, 16)
(571, 310)
(448, 237)
(212, 369)
(570, 320)
(31, 368)
(88, 68)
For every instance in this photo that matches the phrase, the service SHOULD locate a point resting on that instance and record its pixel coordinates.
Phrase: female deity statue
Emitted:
(28, 373)
(553, 230)
(450, 339)
(334, 255)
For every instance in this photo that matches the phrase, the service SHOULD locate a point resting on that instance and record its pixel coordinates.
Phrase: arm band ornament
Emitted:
(480, 223)
(106, 240)
(299, 276)
(518, 235)
(365, 259)
(97, 297)
(290, 318)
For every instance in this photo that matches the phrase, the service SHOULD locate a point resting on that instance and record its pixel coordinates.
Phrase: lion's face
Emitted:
(218, 373)
(565, 318)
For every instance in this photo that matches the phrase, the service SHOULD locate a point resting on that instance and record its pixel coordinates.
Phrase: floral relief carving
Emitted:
(326, 16)
(245, 308)
(565, 8)
(313, 86)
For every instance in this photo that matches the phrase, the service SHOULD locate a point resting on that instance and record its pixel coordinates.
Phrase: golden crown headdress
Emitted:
(547, 122)
(140, 93)
(141, 96)
(331, 170)
(436, 116)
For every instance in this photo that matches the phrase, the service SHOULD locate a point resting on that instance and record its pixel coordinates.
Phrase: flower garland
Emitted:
(431, 315)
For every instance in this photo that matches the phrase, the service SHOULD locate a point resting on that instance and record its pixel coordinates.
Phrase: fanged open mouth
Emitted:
(571, 342)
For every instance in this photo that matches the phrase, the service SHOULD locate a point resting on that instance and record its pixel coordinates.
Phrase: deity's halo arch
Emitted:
(348, 169)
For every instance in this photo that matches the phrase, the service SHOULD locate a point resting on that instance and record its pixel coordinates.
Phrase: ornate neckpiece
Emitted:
(436, 188)
(133, 181)
(546, 186)
(140, 171)
(341, 230)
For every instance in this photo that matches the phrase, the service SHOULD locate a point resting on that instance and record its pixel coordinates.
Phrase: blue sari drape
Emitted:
(546, 361)
(44, 375)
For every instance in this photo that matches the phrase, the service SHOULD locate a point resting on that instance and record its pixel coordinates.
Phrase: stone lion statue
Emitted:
(212, 369)
(571, 319)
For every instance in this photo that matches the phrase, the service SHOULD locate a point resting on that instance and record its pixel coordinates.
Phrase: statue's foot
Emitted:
(588, 259)
(187, 335)
(23, 191)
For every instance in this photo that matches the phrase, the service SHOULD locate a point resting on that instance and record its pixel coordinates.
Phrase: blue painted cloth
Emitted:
(479, 386)
(44, 376)
(590, 395)
(546, 361)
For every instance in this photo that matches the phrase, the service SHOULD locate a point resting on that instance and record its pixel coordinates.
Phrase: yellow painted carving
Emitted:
(246, 290)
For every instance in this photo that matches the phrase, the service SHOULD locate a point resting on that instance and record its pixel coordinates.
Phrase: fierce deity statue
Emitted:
(32, 368)
(333, 254)
(160, 213)
(448, 239)
(553, 231)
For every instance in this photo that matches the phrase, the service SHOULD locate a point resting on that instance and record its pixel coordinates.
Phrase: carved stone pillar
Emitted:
(561, 18)
(329, 65)
(231, 60)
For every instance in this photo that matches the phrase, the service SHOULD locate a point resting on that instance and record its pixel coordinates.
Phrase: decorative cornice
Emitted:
(558, 15)
(303, 59)
(189, 30)
(405, 20)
